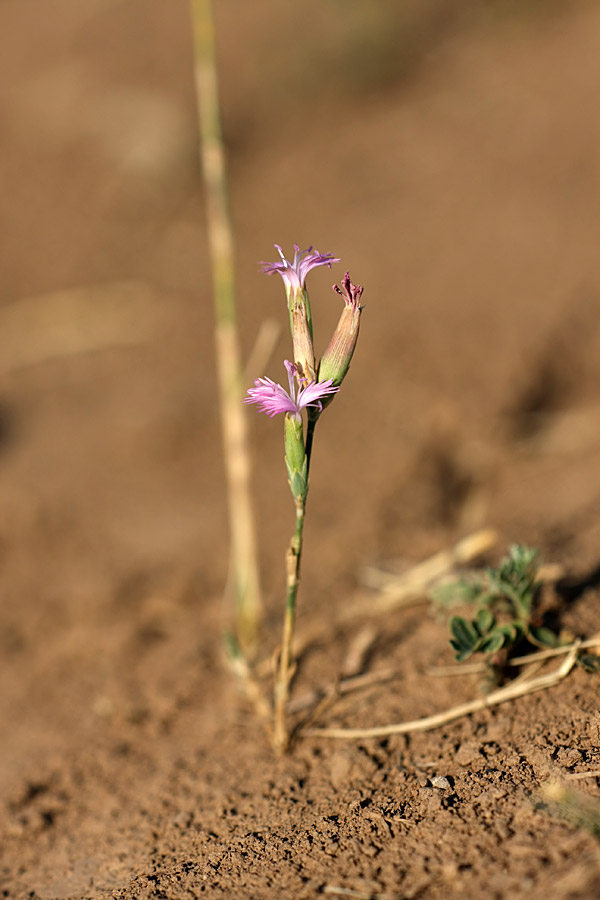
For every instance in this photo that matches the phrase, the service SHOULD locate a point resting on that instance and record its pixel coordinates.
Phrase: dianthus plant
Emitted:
(310, 389)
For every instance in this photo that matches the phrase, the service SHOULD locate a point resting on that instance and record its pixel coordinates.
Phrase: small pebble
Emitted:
(440, 781)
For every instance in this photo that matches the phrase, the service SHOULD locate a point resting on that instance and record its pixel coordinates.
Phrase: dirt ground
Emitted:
(451, 157)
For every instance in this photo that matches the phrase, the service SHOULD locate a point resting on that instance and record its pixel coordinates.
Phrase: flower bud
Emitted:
(336, 359)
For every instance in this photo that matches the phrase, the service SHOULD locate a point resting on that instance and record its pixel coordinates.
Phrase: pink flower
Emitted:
(294, 277)
(294, 273)
(273, 399)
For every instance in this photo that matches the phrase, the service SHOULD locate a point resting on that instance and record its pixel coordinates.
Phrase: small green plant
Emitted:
(505, 597)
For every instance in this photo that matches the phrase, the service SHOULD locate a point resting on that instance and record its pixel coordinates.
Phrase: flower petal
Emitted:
(312, 261)
(270, 397)
(292, 372)
(294, 273)
(310, 395)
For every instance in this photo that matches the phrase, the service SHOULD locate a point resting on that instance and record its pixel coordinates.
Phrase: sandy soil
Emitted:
(453, 162)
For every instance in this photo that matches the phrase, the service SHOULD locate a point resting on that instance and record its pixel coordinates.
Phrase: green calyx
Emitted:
(295, 456)
(338, 356)
(299, 301)
(302, 334)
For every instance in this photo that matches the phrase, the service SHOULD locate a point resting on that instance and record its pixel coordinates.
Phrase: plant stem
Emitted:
(286, 670)
(243, 556)
(281, 732)
(310, 433)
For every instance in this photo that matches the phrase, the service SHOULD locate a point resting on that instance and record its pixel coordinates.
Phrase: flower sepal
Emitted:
(338, 356)
(295, 456)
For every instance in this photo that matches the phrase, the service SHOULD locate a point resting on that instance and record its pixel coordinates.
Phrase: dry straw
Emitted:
(518, 688)
(243, 556)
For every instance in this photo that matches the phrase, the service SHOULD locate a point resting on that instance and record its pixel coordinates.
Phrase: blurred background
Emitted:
(448, 152)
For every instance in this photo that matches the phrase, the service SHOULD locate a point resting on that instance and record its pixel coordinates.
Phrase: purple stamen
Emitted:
(351, 292)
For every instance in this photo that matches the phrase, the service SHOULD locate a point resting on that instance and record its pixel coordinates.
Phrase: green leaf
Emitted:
(484, 621)
(519, 630)
(463, 631)
(464, 637)
(543, 636)
(514, 579)
(512, 631)
(509, 591)
(298, 484)
(486, 598)
(494, 642)
(589, 662)
(520, 601)
(461, 655)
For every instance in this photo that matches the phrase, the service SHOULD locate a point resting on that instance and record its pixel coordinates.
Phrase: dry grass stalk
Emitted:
(341, 689)
(220, 233)
(554, 651)
(263, 349)
(578, 776)
(428, 723)
(359, 651)
(398, 590)
(538, 656)
(350, 892)
(253, 691)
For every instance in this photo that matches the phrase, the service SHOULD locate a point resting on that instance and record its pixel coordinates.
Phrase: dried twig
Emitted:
(554, 651)
(538, 656)
(252, 689)
(349, 892)
(359, 651)
(502, 695)
(341, 689)
(398, 590)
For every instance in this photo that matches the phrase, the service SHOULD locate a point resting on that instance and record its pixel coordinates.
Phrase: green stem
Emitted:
(310, 433)
(285, 671)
